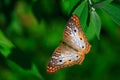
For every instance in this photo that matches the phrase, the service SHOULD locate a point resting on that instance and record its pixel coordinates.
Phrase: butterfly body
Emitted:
(72, 49)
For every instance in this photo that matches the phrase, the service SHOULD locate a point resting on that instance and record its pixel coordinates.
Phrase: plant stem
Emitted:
(90, 2)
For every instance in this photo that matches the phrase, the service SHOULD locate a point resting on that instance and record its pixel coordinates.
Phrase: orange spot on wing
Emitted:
(81, 59)
(52, 69)
(56, 55)
(76, 19)
(58, 49)
(67, 31)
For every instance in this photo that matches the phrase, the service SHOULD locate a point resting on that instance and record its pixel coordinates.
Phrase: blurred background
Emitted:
(30, 30)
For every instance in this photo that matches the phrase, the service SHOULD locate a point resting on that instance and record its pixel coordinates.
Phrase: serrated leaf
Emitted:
(82, 12)
(113, 12)
(96, 23)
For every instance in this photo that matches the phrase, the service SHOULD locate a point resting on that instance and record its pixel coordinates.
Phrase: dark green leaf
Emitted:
(102, 4)
(5, 45)
(20, 72)
(82, 12)
(113, 12)
(84, 16)
(79, 9)
(95, 1)
(96, 23)
(90, 33)
(68, 5)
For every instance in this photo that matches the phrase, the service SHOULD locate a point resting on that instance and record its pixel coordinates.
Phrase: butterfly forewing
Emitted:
(73, 34)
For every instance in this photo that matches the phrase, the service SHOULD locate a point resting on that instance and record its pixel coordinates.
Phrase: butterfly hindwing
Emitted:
(63, 56)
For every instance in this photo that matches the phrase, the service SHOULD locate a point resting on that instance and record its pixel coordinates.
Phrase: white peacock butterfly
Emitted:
(72, 49)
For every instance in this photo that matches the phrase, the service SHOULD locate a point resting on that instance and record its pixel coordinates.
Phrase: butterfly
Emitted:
(72, 49)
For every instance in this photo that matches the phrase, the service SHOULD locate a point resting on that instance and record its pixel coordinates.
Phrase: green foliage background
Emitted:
(30, 30)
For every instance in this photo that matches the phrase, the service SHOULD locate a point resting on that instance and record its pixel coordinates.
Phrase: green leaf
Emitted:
(82, 12)
(68, 5)
(35, 71)
(4, 49)
(84, 16)
(90, 33)
(31, 74)
(5, 45)
(96, 22)
(102, 4)
(80, 8)
(95, 1)
(113, 12)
